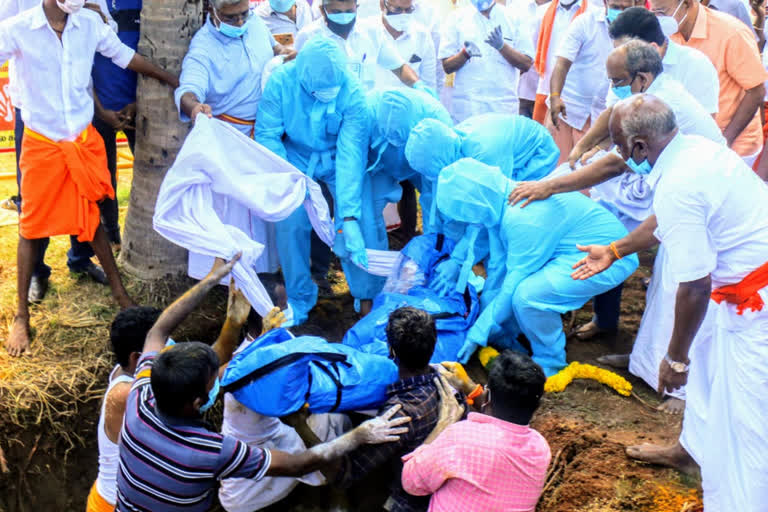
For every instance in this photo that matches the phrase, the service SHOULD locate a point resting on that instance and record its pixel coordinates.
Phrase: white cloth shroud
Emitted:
(216, 159)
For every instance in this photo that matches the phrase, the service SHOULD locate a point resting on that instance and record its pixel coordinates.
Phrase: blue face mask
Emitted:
(623, 91)
(342, 18)
(281, 5)
(213, 394)
(642, 168)
(482, 5)
(326, 95)
(231, 30)
(612, 14)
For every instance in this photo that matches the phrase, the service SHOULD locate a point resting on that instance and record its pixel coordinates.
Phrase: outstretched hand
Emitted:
(598, 259)
(383, 429)
(274, 319)
(530, 191)
(222, 268)
(450, 410)
(238, 306)
(455, 374)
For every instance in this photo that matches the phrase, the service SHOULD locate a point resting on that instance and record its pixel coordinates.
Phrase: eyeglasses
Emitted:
(399, 10)
(232, 19)
(616, 82)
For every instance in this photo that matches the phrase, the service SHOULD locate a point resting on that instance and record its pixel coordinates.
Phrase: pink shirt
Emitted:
(481, 464)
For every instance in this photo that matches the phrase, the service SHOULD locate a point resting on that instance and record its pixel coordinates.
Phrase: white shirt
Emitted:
(692, 118)
(712, 213)
(417, 49)
(278, 23)
(586, 45)
(366, 47)
(63, 107)
(8, 9)
(694, 71)
(487, 83)
(563, 18)
(526, 11)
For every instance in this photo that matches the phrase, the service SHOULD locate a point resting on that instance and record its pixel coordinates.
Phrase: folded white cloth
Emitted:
(217, 159)
(381, 263)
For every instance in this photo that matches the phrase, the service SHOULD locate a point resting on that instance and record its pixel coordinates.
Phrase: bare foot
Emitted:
(620, 361)
(672, 406)
(18, 337)
(673, 456)
(589, 331)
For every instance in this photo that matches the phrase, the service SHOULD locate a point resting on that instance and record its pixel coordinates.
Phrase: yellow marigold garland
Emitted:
(575, 370)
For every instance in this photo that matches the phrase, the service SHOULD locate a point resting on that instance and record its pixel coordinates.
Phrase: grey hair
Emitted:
(218, 4)
(329, 1)
(642, 58)
(650, 117)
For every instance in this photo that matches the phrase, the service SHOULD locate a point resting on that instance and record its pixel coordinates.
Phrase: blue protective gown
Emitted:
(532, 252)
(327, 141)
(533, 261)
(523, 150)
(392, 113)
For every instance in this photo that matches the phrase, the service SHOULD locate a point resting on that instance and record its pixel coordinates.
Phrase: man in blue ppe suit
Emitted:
(392, 115)
(531, 258)
(313, 114)
(520, 147)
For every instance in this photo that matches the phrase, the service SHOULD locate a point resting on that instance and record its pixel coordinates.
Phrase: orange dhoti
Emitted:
(62, 183)
(96, 503)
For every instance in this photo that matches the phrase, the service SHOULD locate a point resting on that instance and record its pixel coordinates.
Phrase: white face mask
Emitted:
(669, 25)
(70, 6)
(326, 95)
(400, 22)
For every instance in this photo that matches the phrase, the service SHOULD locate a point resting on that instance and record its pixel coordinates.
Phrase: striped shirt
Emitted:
(172, 464)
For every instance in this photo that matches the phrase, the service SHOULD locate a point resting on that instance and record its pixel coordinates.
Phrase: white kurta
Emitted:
(712, 212)
(366, 47)
(258, 431)
(586, 45)
(487, 83)
(217, 161)
(417, 49)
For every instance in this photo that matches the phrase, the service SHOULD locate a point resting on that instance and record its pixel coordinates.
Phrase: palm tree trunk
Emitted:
(167, 26)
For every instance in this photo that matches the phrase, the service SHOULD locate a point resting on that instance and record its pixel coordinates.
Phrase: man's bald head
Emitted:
(641, 126)
(634, 63)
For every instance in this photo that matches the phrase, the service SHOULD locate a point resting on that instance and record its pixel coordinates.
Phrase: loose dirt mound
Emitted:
(590, 472)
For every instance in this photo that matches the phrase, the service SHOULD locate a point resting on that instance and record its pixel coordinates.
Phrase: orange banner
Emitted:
(6, 113)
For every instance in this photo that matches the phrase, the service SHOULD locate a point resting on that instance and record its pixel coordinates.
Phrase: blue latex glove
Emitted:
(421, 86)
(467, 350)
(472, 49)
(445, 277)
(496, 38)
(354, 243)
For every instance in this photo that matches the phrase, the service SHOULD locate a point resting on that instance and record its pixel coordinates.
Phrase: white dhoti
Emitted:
(247, 495)
(257, 430)
(734, 450)
(655, 331)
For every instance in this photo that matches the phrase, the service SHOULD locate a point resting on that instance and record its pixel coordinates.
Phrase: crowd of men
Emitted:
(550, 141)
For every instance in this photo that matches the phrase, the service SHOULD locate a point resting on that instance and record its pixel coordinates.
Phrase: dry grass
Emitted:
(69, 356)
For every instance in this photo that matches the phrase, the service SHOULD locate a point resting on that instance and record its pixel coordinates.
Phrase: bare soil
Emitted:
(587, 426)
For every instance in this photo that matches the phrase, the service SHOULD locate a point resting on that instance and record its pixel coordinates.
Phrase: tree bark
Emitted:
(167, 26)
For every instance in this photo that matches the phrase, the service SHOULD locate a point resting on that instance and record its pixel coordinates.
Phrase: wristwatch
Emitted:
(676, 366)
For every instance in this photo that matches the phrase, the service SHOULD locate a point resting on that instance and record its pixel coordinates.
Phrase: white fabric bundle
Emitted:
(218, 159)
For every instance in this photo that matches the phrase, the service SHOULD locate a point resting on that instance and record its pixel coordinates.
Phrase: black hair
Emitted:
(129, 330)
(517, 384)
(637, 22)
(180, 374)
(412, 335)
